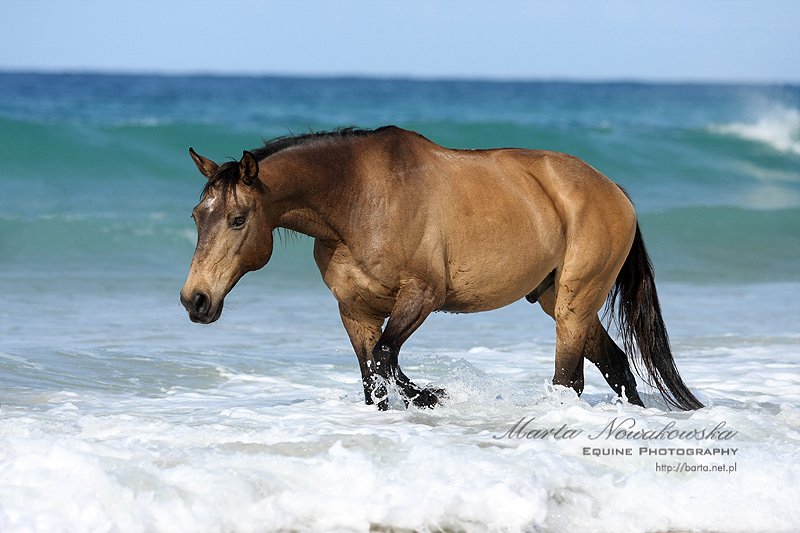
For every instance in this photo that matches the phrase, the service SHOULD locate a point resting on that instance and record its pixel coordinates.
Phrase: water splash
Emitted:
(778, 127)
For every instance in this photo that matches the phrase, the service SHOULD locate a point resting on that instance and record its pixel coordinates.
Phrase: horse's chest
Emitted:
(351, 283)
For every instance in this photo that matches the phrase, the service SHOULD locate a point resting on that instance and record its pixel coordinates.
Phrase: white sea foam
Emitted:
(779, 127)
(224, 460)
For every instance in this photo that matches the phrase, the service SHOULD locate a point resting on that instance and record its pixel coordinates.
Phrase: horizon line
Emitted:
(477, 78)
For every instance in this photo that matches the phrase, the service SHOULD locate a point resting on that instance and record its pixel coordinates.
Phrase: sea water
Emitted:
(118, 414)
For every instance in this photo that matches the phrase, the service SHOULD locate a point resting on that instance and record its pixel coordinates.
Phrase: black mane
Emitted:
(227, 176)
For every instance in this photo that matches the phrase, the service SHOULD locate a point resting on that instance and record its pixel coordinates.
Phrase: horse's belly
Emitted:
(500, 241)
(482, 287)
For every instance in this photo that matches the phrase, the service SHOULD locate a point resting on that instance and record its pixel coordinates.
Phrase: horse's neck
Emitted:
(309, 222)
(307, 193)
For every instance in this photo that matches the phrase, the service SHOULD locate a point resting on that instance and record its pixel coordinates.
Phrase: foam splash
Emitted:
(779, 128)
(219, 460)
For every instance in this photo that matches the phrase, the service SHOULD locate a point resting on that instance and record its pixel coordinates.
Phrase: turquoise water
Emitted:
(713, 169)
(257, 422)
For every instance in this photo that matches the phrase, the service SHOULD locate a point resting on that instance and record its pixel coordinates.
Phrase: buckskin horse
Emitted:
(403, 227)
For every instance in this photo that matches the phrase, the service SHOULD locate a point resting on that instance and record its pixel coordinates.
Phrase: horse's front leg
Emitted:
(415, 301)
(364, 332)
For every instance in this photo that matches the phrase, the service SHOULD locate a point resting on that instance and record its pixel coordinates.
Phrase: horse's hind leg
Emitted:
(569, 346)
(586, 338)
(612, 362)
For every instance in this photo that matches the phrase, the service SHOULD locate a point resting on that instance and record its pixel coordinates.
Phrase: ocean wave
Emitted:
(778, 128)
(724, 243)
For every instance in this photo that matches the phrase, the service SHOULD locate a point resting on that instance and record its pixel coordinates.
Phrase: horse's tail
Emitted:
(641, 326)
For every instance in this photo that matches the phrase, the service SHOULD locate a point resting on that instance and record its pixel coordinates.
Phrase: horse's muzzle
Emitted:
(201, 308)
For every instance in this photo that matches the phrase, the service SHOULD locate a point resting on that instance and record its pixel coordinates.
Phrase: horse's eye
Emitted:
(237, 222)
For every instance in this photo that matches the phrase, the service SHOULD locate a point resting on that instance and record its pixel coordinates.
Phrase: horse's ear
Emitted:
(248, 167)
(206, 166)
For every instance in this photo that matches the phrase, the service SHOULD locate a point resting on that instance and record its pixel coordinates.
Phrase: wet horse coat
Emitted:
(404, 227)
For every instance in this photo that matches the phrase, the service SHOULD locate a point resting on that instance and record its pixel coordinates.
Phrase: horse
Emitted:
(403, 227)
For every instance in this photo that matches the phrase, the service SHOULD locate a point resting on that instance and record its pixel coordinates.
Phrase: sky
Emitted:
(647, 40)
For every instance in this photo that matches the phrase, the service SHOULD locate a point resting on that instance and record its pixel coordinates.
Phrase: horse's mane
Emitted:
(227, 176)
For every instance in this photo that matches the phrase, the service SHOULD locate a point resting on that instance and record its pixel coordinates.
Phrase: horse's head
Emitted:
(234, 234)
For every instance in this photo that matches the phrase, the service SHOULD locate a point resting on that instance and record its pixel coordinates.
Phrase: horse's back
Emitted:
(516, 175)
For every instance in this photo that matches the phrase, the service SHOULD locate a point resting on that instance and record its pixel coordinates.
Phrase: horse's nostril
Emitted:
(199, 302)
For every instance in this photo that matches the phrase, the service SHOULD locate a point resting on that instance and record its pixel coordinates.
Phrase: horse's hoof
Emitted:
(440, 393)
(428, 398)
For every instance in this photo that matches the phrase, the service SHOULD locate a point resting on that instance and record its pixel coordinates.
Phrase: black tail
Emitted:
(642, 327)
